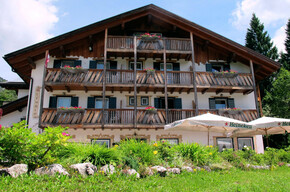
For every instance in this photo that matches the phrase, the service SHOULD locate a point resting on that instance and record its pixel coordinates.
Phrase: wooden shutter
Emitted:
(176, 67)
(212, 103)
(91, 103)
(56, 63)
(113, 64)
(74, 101)
(231, 103)
(177, 103)
(208, 67)
(52, 102)
(112, 103)
(156, 66)
(93, 64)
(78, 63)
(157, 103)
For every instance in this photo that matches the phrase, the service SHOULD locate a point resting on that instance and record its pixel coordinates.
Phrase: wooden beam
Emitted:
(219, 91)
(67, 88)
(194, 73)
(247, 92)
(189, 90)
(86, 89)
(254, 87)
(204, 90)
(135, 83)
(233, 91)
(205, 45)
(104, 78)
(31, 62)
(260, 100)
(165, 82)
(62, 51)
(180, 90)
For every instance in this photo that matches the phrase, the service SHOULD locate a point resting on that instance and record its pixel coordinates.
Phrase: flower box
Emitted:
(70, 110)
(151, 110)
(74, 71)
(230, 111)
(225, 74)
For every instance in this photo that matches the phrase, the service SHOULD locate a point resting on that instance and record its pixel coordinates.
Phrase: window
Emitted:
(217, 66)
(220, 103)
(70, 63)
(172, 141)
(224, 143)
(100, 65)
(131, 100)
(99, 103)
(139, 66)
(105, 142)
(144, 101)
(245, 142)
(63, 102)
(169, 66)
(59, 63)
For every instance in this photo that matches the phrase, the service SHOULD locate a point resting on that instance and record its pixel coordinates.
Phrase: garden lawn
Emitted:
(233, 180)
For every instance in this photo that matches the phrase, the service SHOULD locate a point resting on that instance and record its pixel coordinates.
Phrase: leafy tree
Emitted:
(260, 41)
(6, 95)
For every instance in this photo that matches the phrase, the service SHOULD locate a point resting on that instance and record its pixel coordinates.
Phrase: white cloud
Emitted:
(273, 13)
(279, 38)
(23, 23)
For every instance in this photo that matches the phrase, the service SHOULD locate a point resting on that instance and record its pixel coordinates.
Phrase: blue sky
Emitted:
(25, 22)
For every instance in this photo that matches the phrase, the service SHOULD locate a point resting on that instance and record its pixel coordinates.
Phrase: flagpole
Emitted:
(42, 88)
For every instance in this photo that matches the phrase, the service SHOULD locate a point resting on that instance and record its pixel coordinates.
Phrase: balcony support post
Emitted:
(104, 78)
(135, 83)
(194, 74)
(165, 82)
(254, 87)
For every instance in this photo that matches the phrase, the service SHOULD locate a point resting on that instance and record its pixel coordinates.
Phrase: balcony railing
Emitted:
(124, 117)
(113, 76)
(126, 43)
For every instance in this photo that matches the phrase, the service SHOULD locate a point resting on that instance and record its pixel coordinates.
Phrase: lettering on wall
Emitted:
(36, 102)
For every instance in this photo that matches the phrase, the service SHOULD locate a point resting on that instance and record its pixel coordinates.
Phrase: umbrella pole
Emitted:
(267, 138)
(208, 136)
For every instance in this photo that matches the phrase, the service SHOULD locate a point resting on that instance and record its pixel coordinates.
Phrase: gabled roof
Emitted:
(14, 85)
(19, 61)
(14, 105)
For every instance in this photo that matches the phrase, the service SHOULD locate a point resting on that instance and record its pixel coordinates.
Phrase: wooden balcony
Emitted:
(123, 118)
(126, 44)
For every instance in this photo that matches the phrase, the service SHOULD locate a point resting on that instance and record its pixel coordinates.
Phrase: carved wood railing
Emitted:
(208, 79)
(126, 42)
(114, 76)
(125, 116)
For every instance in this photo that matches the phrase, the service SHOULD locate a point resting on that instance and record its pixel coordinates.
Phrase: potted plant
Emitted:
(226, 74)
(74, 70)
(149, 37)
(70, 110)
(150, 71)
(151, 110)
(149, 41)
(230, 111)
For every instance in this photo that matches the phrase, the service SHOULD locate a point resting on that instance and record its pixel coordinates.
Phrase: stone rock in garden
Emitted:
(15, 170)
(51, 170)
(186, 168)
(160, 170)
(207, 168)
(288, 165)
(147, 172)
(85, 168)
(107, 169)
(197, 168)
(173, 170)
(131, 172)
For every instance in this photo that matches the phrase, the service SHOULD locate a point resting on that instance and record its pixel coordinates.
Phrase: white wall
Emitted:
(22, 93)
(14, 117)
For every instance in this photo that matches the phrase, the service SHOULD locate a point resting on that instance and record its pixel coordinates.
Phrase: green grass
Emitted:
(233, 180)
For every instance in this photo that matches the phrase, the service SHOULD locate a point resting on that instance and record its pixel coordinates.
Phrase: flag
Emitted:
(46, 58)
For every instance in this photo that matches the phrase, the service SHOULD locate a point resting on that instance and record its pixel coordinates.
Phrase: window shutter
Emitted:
(211, 103)
(113, 64)
(176, 67)
(56, 63)
(78, 63)
(74, 101)
(91, 103)
(208, 67)
(227, 67)
(231, 103)
(112, 102)
(177, 103)
(93, 64)
(156, 66)
(156, 103)
(52, 102)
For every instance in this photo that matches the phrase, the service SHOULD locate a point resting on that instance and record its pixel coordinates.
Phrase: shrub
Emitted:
(20, 145)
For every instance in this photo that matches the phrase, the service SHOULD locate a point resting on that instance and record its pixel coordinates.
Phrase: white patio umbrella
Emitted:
(208, 122)
(267, 126)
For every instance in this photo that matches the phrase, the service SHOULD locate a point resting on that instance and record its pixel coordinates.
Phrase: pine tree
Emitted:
(285, 57)
(260, 41)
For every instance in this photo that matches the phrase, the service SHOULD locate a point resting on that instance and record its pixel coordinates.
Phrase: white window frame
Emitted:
(245, 138)
(137, 63)
(131, 100)
(101, 142)
(146, 99)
